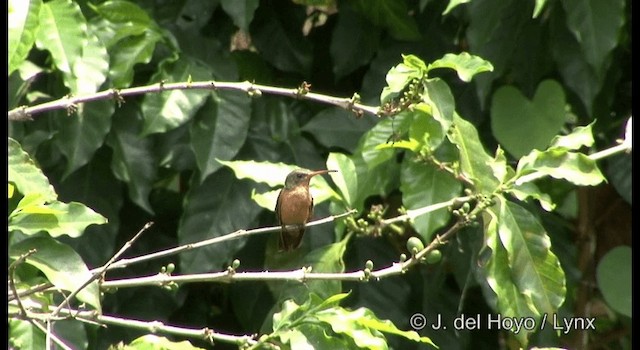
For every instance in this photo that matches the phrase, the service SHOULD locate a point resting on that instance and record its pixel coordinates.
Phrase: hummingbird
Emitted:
(295, 206)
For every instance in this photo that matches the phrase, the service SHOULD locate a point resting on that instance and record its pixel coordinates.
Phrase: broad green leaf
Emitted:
(219, 205)
(62, 266)
(399, 76)
(57, 218)
(80, 56)
(80, 135)
(411, 144)
(283, 46)
(572, 64)
(465, 65)
(33, 203)
(273, 174)
(579, 137)
(24, 335)
(26, 176)
(127, 53)
(558, 163)
(323, 128)
(620, 174)
(392, 15)
(240, 11)
(125, 12)
(453, 4)
(422, 185)
(90, 70)
(521, 125)
(530, 190)
(614, 279)
(510, 301)
(354, 41)
(73, 332)
(346, 178)
(474, 160)
(386, 131)
(133, 160)
(596, 25)
(535, 269)
(154, 342)
(63, 32)
(219, 130)
(167, 110)
(365, 328)
(22, 27)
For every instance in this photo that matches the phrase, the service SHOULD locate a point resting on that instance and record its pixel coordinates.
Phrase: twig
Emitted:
(234, 235)
(93, 317)
(102, 270)
(12, 284)
(26, 113)
(50, 336)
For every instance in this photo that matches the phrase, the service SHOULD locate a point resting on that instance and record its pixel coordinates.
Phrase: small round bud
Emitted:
(369, 265)
(235, 264)
(414, 245)
(434, 256)
(171, 267)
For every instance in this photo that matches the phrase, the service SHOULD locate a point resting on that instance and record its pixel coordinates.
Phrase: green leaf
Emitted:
(125, 12)
(273, 174)
(365, 328)
(596, 25)
(240, 11)
(399, 76)
(80, 135)
(167, 110)
(464, 64)
(80, 56)
(346, 178)
(422, 185)
(530, 190)
(614, 279)
(154, 342)
(62, 266)
(57, 218)
(558, 163)
(392, 15)
(62, 32)
(90, 70)
(386, 131)
(354, 41)
(24, 335)
(219, 205)
(579, 137)
(23, 24)
(133, 160)
(219, 130)
(129, 52)
(323, 128)
(536, 270)
(510, 301)
(474, 160)
(280, 44)
(521, 125)
(26, 176)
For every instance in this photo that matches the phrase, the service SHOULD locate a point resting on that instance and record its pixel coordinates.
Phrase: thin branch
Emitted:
(12, 284)
(93, 317)
(69, 103)
(234, 235)
(50, 336)
(102, 270)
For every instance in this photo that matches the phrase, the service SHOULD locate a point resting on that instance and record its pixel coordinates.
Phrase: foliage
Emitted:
(505, 111)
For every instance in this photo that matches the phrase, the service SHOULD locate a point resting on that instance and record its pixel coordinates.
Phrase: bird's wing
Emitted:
(277, 209)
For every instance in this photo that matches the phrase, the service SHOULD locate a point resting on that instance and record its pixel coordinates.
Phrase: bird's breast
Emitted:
(295, 206)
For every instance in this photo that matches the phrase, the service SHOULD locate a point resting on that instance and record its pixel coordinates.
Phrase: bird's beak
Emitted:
(318, 172)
